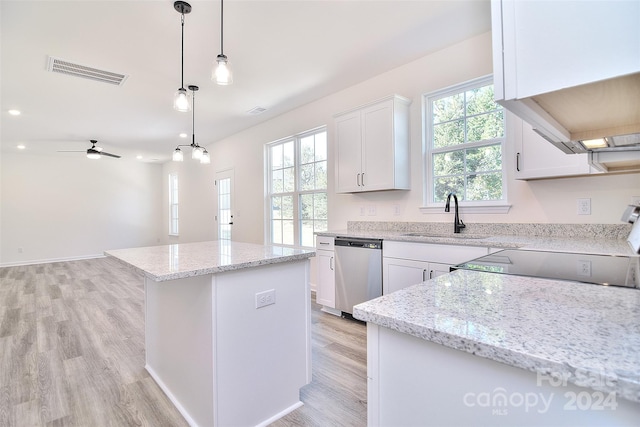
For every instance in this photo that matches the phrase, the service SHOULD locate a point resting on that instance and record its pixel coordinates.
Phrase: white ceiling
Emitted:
(284, 54)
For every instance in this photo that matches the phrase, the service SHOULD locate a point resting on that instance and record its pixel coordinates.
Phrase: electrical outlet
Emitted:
(396, 210)
(584, 268)
(584, 206)
(372, 210)
(265, 298)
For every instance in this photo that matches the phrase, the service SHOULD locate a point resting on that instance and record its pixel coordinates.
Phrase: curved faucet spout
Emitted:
(457, 222)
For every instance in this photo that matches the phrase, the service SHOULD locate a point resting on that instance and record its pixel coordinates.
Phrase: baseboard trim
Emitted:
(281, 414)
(49, 261)
(171, 397)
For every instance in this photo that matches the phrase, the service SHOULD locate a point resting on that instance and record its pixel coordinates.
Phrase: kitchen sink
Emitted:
(447, 236)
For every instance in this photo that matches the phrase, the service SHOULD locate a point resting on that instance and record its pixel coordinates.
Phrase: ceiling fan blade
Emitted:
(102, 153)
(70, 151)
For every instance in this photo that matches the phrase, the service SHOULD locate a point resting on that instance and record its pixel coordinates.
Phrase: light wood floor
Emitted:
(72, 354)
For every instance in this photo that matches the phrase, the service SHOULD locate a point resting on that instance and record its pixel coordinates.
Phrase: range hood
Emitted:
(600, 118)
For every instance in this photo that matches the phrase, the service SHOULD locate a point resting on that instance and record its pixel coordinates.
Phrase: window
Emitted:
(173, 204)
(464, 144)
(297, 188)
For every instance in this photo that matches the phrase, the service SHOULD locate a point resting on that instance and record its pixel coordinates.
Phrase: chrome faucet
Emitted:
(457, 222)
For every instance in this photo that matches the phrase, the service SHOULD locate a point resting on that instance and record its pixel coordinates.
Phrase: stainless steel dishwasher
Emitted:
(358, 271)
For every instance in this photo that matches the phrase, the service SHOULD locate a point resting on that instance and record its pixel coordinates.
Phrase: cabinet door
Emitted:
(378, 158)
(401, 273)
(536, 158)
(326, 290)
(549, 45)
(349, 153)
(436, 270)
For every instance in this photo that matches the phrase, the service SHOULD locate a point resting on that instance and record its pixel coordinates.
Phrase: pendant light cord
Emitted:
(193, 118)
(182, 54)
(221, 27)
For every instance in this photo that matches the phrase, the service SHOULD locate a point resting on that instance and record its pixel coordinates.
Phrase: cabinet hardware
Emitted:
(362, 179)
(331, 263)
(325, 243)
(430, 274)
(424, 275)
(518, 162)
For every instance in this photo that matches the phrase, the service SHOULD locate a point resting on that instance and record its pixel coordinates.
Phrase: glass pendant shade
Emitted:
(222, 72)
(197, 153)
(181, 100)
(206, 158)
(177, 155)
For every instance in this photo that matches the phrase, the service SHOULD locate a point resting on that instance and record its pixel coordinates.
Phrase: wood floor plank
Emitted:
(72, 354)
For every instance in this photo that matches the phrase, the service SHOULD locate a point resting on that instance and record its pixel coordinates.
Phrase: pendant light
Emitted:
(197, 152)
(222, 73)
(181, 97)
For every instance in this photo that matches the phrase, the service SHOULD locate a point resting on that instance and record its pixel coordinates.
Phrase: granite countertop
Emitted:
(588, 334)
(168, 262)
(606, 245)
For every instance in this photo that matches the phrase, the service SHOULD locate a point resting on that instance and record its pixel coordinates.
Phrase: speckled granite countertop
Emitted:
(182, 260)
(578, 238)
(589, 334)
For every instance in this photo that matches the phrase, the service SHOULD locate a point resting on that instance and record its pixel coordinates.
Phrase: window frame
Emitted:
(297, 193)
(489, 206)
(173, 193)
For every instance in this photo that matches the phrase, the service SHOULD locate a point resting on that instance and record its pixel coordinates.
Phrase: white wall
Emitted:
(545, 201)
(67, 207)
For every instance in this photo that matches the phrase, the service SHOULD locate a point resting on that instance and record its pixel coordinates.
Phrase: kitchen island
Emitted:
(476, 348)
(227, 328)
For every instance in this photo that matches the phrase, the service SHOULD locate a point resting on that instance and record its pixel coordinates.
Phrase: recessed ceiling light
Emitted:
(139, 157)
(14, 112)
(183, 135)
(21, 147)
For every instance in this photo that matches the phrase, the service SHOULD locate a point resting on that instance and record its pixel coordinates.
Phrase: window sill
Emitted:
(499, 208)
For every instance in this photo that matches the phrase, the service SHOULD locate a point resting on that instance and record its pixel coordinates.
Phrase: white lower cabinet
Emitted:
(326, 283)
(407, 263)
(400, 273)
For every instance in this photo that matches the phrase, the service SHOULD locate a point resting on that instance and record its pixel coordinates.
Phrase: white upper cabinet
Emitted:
(569, 68)
(535, 158)
(372, 146)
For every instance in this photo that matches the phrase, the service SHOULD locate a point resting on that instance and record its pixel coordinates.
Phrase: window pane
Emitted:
(287, 233)
(450, 163)
(306, 206)
(287, 207)
(288, 154)
(277, 181)
(307, 178)
(445, 185)
(320, 206)
(289, 180)
(449, 108)
(481, 100)
(485, 186)
(276, 207)
(321, 146)
(448, 134)
(276, 231)
(307, 154)
(306, 233)
(276, 156)
(485, 126)
(321, 175)
(484, 159)
(320, 225)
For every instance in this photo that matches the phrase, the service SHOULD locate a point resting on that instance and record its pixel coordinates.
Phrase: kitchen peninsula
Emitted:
(227, 328)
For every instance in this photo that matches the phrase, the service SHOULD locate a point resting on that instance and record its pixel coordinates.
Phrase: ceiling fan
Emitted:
(93, 152)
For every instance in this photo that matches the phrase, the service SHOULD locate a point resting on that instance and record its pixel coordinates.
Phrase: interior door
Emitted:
(224, 186)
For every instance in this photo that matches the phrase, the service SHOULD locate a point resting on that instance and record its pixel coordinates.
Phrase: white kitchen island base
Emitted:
(221, 360)
(415, 382)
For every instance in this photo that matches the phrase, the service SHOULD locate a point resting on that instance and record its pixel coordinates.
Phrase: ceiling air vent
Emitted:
(57, 65)
(257, 110)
